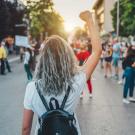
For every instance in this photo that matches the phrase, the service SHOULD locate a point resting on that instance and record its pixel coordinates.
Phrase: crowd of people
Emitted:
(112, 54)
(117, 62)
(57, 71)
(120, 58)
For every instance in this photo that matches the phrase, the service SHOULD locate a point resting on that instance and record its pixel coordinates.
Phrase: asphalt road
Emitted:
(105, 114)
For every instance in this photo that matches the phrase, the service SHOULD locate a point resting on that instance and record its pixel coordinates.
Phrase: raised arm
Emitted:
(92, 61)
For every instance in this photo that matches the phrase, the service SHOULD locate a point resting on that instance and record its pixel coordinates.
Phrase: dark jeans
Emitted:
(2, 67)
(27, 69)
(21, 57)
(7, 65)
(129, 75)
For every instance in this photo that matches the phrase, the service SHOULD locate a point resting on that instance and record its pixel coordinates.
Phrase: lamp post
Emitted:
(118, 17)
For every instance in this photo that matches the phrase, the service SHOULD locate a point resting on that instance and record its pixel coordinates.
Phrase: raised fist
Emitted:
(86, 15)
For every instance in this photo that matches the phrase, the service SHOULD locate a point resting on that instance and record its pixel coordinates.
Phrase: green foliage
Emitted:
(4, 19)
(10, 14)
(80, 33)
(44, 19)
(17, 11)
(127, 17)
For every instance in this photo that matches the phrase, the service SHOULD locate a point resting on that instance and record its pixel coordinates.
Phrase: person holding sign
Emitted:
(27, 60)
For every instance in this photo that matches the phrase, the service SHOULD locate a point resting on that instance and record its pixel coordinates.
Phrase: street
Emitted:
(105, 114)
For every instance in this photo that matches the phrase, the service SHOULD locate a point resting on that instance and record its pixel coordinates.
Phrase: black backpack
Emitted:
(56, 121)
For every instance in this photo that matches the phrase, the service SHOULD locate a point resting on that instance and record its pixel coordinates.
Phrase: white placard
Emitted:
(22, 41)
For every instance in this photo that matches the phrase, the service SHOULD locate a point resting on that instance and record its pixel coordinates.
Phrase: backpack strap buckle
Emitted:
(56, 104)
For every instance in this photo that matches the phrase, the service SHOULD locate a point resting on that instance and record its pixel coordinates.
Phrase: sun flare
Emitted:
(69, 26)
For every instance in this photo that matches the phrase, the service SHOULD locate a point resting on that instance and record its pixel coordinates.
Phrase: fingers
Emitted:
(85, 15)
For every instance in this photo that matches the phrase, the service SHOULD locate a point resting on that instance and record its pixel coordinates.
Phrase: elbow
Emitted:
(26, 131)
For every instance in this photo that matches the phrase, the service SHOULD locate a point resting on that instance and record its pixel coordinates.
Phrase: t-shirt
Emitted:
(116, 50)
(128, 61)
(2, 52)
(82, 56)
(42, 46)
(108, 53)
(26, 57)
(33, 102)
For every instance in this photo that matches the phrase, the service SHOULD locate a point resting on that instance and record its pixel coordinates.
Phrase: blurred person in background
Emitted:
(2, 58)
(74, 48)
(82, 57)
(102, 56)
(21, 53)
(83, 54)
(89, 83)
(124, 49)
(27, 60)
(6, 56)
(116, 58)
(9, 44)
(129, 75)
(108, 60)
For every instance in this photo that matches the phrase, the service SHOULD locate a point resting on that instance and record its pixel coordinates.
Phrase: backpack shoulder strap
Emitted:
(65, 98)
(42, 97)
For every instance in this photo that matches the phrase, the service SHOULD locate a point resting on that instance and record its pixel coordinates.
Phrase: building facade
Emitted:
(102, 9)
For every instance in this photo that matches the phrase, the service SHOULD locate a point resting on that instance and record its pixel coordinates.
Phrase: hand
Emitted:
(86, 15)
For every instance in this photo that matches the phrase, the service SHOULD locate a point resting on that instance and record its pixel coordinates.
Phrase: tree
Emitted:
(4, 19)
(44, 19)
(80, 33)
(11, 13)
(127, 17)
(17, 11)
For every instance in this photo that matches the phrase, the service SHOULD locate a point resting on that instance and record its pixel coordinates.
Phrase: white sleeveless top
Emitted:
(33, 102)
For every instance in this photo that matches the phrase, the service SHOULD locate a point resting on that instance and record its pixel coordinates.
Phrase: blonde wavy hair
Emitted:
(56, 67)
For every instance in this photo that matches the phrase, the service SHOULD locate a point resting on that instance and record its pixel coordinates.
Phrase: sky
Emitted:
(70, 9)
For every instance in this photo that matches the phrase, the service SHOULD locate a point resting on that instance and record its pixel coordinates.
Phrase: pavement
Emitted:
(13, 58)
(105, 114)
